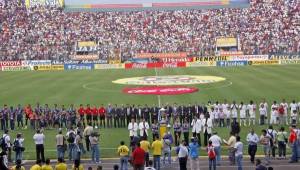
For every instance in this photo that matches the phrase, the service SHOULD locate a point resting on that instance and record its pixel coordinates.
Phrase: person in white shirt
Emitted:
(252, 112)
(216, 143)
(226, 110)
(274, 113)
(7, 146)
(238, 146)
(39, 139)
(293, 108)
(183, 155)
(252, 140)
(263, 114)
(285, 106)
(273, 134)
(143, 127)
(243, 109)
(207, 125)
(196, 129)
(234, 110)
(19, 149)
(71, 135)
(265, 104)
(133, 128)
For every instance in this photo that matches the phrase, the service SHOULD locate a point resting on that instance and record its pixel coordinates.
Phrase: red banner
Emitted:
(10, 63)
(155, 65)
(174, 60)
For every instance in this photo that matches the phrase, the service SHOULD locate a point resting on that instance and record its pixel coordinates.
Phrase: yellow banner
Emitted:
(201, 64)
(211, 58)
(86, 43)
(264, 62)
(109, 66)
(226, 42)
(32, 3)
(48, 67)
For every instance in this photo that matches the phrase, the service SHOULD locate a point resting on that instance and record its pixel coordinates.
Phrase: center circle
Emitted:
(169, 80)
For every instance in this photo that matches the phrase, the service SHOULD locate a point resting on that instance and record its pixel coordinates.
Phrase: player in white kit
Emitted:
(243, 109)
(263, 114)
(274, 113)
(234, 110)
(252, 112)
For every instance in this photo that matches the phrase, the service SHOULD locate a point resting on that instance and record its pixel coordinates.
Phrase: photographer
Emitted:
(94, 140)
(18, 147)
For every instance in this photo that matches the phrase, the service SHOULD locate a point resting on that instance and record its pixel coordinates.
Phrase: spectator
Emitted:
(157, 146)
(145, 145)
(211, 156)
(19, 166)
(138, 156)
(39, 139)
(194, 154)
(3, 161)
(60, 144)
(293, 140)
(231, 151)
(61, 165)
(216, 143)
(183, 154)
(239, 152)
(259, 166)
(18, 147)
(265, 141)
(77, 165)
(47, 166)
(123, 152)
(7, 145)
(94, 140)
(252, 140)
(282, 139)
(37, 165)
(87, 133)
(150, 167)
(71, 135)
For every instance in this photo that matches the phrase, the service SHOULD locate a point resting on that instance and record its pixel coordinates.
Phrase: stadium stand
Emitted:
(268, 26)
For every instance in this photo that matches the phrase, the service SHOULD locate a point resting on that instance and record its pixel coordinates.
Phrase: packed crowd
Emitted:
(50, 33)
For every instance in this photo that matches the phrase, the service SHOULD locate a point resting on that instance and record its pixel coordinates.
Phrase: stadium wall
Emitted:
(211, 61)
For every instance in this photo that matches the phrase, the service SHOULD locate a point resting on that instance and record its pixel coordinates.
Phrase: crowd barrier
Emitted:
(210, 61)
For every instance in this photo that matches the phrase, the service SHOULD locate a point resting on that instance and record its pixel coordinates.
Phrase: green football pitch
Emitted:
(96, 88)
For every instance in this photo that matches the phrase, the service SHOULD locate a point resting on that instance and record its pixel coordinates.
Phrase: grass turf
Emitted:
(95, 88)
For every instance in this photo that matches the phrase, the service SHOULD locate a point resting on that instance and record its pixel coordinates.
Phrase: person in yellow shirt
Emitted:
(77, 165)
(61, 165)
(145, 145)
(123, 152)
(18, 165)
(37, 166)
(47, 166)
(157, 146)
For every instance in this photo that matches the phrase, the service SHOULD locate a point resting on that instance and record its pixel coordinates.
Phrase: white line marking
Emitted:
(158, 96)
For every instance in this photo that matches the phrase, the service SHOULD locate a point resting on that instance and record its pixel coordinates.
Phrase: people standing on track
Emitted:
(282, 139)
(94, 140)
(18, 147)
(39, 140)
(157, 147)
(231, 152)
(194, 154)
(77, 165)
(60, 144)
(183, 154)
(71, 134)
(6, 146)
(273, 134)
(216, 143)
(37, 165)
(123, 152)
(211, 156)
(47, 165)
(294, 142)
(252, 140)
(138, 157)
(166, 152)
(145, 145)
(61, 165)
(87, 133)
(238, 147)
(265, 141)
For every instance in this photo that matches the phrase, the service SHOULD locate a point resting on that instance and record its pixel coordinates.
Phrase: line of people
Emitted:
(119, 116)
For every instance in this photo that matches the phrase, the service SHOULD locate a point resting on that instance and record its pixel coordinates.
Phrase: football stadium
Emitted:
(148, 84)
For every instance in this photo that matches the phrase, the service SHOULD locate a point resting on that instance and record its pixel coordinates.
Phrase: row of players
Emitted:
(120, 116)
